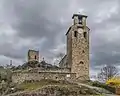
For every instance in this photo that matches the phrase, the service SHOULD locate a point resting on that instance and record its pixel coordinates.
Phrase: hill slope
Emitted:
(55, 88)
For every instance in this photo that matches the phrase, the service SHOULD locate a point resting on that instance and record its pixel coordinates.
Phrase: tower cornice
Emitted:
(79, 16)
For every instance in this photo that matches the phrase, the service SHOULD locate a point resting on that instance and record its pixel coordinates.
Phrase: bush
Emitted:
(114, 82)
(102, 85)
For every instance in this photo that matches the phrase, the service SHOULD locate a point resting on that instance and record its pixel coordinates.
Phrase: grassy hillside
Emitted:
(35, 85)
(53, 88)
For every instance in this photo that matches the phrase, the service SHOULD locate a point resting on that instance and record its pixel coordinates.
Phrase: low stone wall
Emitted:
(62, 70)
(19, 77)
(118, 91)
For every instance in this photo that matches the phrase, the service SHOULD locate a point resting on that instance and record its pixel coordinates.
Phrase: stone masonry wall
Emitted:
(19, 77)
(60, 70)
(78, 51)
(69, 47)
(80, 54)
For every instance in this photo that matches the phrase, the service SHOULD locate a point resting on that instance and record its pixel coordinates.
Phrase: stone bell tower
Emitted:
(78, 47)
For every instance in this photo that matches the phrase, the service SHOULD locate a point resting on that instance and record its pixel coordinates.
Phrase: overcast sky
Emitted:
(42, 24)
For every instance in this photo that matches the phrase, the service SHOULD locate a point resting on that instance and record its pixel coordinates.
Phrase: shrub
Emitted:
(105, 86)
(114, 82)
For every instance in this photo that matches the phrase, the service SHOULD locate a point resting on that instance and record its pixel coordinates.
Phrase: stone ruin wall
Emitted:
(19, 77)
(33, 55)
(60, 70)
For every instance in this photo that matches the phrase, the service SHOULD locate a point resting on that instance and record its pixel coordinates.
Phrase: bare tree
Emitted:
(107, 72)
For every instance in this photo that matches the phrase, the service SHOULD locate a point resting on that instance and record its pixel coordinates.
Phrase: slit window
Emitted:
(75, 34)
(85, 34)
(35, 57)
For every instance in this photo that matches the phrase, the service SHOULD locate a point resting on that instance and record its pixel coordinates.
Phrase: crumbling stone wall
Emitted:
(60, 70)
(118, 91)
(19, 77)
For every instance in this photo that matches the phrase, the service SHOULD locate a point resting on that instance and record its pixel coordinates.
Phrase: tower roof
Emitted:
(32, 50)
(79, 16)
(68, 30)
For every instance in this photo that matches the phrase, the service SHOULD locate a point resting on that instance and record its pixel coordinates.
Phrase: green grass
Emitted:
(35, 85)
(30, 86)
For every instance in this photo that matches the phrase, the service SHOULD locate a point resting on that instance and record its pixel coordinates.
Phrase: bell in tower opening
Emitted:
(79, 19)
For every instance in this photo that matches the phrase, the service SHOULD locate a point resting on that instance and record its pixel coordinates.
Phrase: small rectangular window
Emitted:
(75, 34)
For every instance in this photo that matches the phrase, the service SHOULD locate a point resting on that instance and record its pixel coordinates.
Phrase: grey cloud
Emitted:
(101, 48)
(11, 51)
(37, 19)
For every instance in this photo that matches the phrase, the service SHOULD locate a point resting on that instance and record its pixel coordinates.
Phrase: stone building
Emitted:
(73, 66)
(78, 48)
(33, 55)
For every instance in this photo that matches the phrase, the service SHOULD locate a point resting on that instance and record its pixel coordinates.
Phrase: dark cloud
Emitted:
(38, 19)
(42, 24)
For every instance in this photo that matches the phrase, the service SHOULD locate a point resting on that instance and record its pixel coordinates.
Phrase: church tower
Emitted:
(78, 47)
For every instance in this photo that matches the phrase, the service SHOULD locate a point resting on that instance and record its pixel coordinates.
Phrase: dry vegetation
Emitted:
(51, 88)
